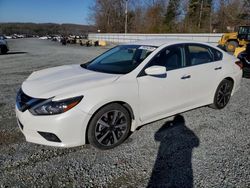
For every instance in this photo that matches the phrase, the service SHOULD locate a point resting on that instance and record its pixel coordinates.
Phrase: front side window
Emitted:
(120, 60)
(170, 57)
(199, 54)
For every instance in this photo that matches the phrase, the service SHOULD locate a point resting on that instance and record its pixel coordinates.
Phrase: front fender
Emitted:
(127, 93)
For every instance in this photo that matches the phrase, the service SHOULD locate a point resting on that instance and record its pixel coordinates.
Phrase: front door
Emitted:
(161, 96)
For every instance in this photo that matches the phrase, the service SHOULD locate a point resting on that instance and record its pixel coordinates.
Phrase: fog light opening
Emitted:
(49, 136)
(20, 124)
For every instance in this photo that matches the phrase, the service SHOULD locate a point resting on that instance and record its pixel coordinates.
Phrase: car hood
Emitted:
(61, 80)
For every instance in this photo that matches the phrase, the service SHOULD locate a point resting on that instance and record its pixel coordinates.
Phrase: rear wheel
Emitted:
(231, 46)
(109, 127)
(222, 94)
(3, 49)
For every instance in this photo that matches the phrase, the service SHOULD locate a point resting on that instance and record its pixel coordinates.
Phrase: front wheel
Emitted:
(222, 94)
(109, 127)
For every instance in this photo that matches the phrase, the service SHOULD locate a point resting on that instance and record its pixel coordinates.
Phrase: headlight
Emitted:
(50, 107)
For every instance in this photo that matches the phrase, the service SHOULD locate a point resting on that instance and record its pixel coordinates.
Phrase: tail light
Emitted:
(240, 64)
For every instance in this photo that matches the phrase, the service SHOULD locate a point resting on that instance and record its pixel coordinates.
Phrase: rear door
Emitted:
(205, 67)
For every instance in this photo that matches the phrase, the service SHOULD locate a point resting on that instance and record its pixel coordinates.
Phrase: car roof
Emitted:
(160, 42)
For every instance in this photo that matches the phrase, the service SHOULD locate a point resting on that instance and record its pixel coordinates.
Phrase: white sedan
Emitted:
(101, 101)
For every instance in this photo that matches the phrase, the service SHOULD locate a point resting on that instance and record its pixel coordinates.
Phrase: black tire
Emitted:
(223, 94)
(3, 50)
(109, 126)
(231, 45)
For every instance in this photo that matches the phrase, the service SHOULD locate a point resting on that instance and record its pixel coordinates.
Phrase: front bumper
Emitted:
(69, 127)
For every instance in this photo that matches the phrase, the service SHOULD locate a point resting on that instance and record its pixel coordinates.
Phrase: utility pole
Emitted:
(200, 16)
(210, 21)
(126, 16)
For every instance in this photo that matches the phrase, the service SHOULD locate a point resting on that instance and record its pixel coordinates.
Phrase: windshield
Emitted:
(120, 59)
(244, 30)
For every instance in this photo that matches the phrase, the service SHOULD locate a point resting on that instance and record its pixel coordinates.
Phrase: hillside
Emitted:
(44, 29)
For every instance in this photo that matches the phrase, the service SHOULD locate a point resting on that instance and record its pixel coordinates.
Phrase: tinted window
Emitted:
(199, 54)
(170, 57)
(217, 54)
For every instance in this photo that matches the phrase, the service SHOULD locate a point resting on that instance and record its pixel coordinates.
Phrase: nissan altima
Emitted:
(100, 102)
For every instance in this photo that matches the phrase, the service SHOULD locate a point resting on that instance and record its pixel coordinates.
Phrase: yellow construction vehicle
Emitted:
(230, 41)
(238, 50)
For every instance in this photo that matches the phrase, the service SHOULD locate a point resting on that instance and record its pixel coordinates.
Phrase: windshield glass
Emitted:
(120, 59)
(244, 30)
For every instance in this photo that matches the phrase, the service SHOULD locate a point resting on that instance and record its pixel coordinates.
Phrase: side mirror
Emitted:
(156, 70)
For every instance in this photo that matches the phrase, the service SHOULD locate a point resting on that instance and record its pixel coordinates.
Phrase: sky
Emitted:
(46, 11)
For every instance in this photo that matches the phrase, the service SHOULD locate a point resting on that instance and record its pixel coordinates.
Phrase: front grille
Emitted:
(25, 102)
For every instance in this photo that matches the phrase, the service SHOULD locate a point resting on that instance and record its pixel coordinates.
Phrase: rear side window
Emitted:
(217, 54)
(199, 54)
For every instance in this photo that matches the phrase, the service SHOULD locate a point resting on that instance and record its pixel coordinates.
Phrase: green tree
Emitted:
(171, 15)
(230, 15)
(154, 17)
(245, 13)
(198, 16)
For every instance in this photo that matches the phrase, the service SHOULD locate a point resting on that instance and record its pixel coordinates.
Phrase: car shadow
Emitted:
(13, 53)
(173, 165)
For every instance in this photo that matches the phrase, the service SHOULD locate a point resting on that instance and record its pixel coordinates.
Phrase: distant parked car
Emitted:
(43, 38)
(101, 101)
(4, 48)
(245, 59)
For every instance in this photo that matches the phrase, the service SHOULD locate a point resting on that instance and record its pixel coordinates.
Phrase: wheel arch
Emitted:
(232, 80)
(225, 78)
(228, 78)
(122, 103)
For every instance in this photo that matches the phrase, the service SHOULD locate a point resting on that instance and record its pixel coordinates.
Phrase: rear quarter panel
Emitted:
(232, 70)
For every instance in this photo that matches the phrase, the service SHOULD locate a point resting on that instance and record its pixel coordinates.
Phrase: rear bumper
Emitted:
(237, 80)
(246, 72)
(69, 128)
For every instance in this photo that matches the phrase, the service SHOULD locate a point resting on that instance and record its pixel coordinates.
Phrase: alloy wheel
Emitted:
(224, 94)
(111, 127)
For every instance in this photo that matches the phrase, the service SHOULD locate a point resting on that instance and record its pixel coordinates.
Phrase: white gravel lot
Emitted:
(208, 148)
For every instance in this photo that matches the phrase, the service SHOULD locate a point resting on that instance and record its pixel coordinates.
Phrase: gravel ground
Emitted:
(199, 148)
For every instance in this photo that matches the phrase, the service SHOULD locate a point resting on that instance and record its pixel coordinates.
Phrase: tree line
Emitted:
(43, 29)
(170, 16)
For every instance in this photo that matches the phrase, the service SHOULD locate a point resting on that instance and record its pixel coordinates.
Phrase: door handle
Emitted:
(218, 68)
(186, 77)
